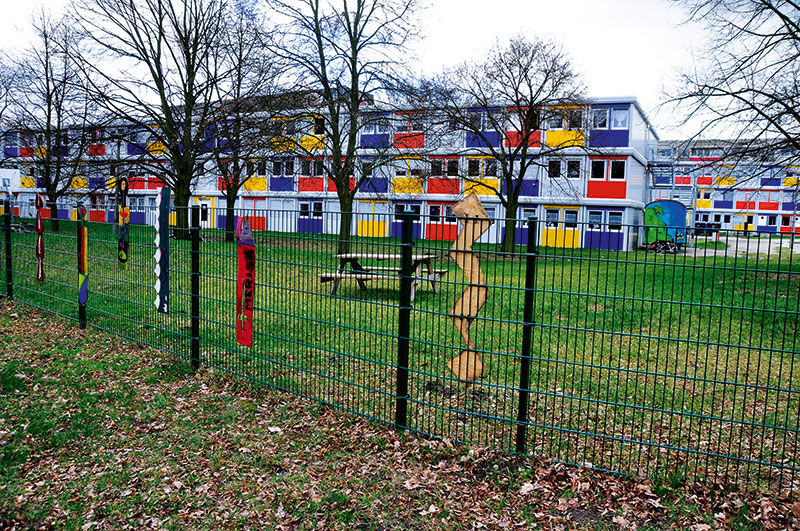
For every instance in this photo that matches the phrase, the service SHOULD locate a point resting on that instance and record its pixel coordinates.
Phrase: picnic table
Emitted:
(363, 273)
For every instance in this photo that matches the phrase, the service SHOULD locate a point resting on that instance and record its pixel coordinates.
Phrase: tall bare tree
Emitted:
(246, 92)
(746, 86)
(500, 104)
(157, 69)
(52, 113)
(349, 53)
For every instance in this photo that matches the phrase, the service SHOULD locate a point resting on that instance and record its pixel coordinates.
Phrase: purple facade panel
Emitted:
(608, 138)
(601, 239)
(379, 141)
(377, 185)
(281, 184)
(488, 138)
(723, 204)
(63, 213)
(309, 225)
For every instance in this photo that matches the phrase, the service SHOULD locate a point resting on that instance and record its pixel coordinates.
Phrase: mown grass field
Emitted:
(98, 432)
(641, 363)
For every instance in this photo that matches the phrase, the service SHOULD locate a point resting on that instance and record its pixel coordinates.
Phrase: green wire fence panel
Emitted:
(671, 362)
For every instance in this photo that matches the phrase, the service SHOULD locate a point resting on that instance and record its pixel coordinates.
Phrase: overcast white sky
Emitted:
(622, 47)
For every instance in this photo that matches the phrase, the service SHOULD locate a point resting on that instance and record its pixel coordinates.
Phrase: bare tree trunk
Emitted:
(510, 235)
(345, 223)
(182, 231)
(51, 204)
(230, 225)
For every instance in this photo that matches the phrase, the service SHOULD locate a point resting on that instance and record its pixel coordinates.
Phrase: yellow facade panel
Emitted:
(372, 228)
(725, 181)
(481, 186)
(311, 143)
(558, 138)
(27, 182)
(255, 184)
(791, 181)
(405, 185)
(79, 183)
(703, 203)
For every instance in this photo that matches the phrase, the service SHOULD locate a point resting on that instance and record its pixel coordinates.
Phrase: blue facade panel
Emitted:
(139, 218)
(309, 225)
(489, 138)
(661, 179)
(281, 184)
(222, 218)
(96, 183)
(530, 187)
(378, 185)
(791, 207)
(136, 149)
(601, 239)
(608, 138)
(723, 204)
(770, 181)
(63, 213)
(39, 182)
(766, 228)
(380, 141)
(110, 215)
(11, 152)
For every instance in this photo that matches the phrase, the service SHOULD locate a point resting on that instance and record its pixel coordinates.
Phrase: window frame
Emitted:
(617, 162)
(596, 162)
(605, 118)
(613, 226)
(627, 120)
(578, 173)
(550, 166)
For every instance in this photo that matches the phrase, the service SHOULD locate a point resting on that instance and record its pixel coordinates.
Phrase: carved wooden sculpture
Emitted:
(162, 251)
(245, 287)
(468, 366)
(39, 239)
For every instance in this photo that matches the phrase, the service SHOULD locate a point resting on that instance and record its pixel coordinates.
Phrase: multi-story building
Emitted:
(588, 193)
(727, 195)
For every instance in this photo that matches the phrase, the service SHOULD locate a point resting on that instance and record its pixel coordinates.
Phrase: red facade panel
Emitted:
(607, 189)
(766, 205)
(514, 139)
(443, 186)
(98, 216)
(154, 183)
(97, 150)
(409, 140)
(332, 185)
(746, 205)
(441, 231)
(26, 151)
(311, 184)
(705, 180)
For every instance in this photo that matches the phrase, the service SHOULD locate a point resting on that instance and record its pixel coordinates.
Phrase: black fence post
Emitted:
(527, 329)
(7, 231)
(404, 321)
(195, 310)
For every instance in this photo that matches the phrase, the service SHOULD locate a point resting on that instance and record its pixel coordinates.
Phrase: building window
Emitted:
(619, 118)
(473, 168)
(551, 218)
(401, 169)
(600, 119)
(276, 168)
(615, 220)
(319, 125)
(598, 170)
(575, 119)
(717, 218)
(595, 219)
(490, 167)
(786, 221)
(305, 167)
(434, 213)
(474, 119)
(571, 218)
(317, 209)
(452, 168)
(319, 169)
(288, 167)
(727, 196)
(726, 218)
(772, 220)
(556, 121)
(554, 169)
(366, 169)
(399, 209)
(618, 169)
(573, 169)
(305, 209)
(437, 168)
(417, 124)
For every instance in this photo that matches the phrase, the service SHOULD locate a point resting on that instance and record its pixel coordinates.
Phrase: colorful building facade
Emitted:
(588, 193)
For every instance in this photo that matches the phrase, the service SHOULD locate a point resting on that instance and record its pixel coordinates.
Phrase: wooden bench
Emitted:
(363, 274)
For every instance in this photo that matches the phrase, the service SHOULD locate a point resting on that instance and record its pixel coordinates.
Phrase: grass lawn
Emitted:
(97, 432)
(644, 364)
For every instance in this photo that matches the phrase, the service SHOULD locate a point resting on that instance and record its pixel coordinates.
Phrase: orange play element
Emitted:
(468, 366)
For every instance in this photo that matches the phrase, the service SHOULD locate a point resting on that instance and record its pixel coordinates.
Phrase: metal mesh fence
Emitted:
(671, 363)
